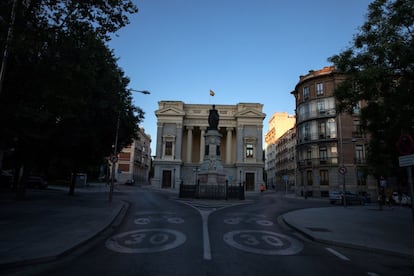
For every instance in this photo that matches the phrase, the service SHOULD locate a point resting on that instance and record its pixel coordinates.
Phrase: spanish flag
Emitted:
(212, 93)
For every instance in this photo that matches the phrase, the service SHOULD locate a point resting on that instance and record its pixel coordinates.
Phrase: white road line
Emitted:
(336, 253)
(206, 235)
(372, 274)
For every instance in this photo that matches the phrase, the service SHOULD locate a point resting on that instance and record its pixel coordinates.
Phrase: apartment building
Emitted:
(279, 123)
(134, 161)
(285, 166)
(331, 146)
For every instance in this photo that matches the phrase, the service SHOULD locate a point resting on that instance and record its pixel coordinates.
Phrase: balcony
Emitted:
(318, 162)
(359, 134)
(360, 161)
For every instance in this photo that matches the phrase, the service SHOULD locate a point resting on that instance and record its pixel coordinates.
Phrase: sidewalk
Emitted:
(388, 231)
(50, 223)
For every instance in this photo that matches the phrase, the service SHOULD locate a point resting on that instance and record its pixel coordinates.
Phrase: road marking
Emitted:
(336, 253)
(263, 242)
(372, 274)
(149, 217)
(146, 241)
(206, 235)
(239, 217)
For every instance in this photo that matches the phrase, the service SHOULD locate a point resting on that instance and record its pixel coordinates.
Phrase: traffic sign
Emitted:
(405, 145)
(406, 160)
(114, 159)
(342, 170)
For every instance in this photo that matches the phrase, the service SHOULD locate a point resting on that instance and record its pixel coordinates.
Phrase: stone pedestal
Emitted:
(212, 179)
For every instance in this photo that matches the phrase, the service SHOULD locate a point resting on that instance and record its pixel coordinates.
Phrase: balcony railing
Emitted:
(318, 162)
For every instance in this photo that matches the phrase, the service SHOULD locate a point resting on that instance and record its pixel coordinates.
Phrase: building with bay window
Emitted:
(180, 144)
(331, 146)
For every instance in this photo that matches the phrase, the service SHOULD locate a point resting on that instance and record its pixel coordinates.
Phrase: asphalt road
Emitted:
(164, 235)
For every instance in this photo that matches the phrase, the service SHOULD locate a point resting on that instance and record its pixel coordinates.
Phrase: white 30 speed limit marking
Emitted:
(146, 241)
(263, 242)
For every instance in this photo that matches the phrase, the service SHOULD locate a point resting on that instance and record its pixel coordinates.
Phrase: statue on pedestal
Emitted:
(213, 119)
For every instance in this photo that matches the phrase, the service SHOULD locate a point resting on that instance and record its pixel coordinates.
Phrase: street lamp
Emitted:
(146, 92)
(114, 158)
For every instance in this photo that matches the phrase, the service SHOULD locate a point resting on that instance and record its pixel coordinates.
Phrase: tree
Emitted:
(63, 90)
(380, 76)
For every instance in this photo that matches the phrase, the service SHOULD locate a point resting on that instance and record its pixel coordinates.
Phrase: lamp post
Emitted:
(114, 158)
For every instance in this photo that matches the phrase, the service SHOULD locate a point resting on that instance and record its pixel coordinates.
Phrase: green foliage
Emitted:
(380, 70)
(63, 90)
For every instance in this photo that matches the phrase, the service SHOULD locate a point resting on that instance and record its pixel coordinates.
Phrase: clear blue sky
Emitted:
(244, 50)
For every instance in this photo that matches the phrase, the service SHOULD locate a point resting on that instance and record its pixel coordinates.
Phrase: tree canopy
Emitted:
(380, 76)
(63, 90)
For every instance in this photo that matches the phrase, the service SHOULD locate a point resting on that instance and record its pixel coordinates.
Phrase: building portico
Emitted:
(180, 149)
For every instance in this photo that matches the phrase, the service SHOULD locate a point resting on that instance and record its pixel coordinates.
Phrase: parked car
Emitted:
(130, 182)
(403, 199)
(37, 182)
(351, 198)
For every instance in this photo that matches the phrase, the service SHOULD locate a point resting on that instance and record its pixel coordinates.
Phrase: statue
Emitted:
(213, 119)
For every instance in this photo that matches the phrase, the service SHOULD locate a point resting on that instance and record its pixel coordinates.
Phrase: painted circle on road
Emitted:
(240, 218)
(146, 241)
(263, 242)
(150, 217)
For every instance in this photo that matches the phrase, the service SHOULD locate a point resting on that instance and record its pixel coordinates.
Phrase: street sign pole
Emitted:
(405, 146)
(410, 182)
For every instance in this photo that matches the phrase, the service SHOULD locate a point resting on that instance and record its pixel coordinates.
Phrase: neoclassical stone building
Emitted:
(181, 130)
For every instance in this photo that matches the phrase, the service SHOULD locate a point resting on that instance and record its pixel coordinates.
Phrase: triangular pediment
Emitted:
(250, 113)
(169, 111)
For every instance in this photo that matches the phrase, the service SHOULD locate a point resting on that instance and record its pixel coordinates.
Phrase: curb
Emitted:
(348, 245)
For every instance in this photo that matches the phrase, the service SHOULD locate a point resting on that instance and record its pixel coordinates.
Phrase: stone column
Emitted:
(159, 140)
(178, 141)
(259, 149)
(228, 144)
(202, 143)
(240, 150)
(189, 143)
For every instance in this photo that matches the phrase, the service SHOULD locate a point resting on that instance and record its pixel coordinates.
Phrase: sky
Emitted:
(245, 51)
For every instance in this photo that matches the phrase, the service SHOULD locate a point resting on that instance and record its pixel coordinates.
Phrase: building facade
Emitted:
(134, 161)
(279, 123)
(331, 146)
(181, 130)
(286, 161)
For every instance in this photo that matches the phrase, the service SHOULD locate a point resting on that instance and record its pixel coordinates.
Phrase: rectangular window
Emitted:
(321, 107)
(324, 177)
(123, 167)
(249, 150)
(124, 156)
(306, 92)
(323, 155)
(309, 156)
(307, 132)
(309, 178)
(331, 129)
(357, 108)
(319, 89)
(359, 154)
(357, 129)
(168, 148)
(322, 130)
(362, 180)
